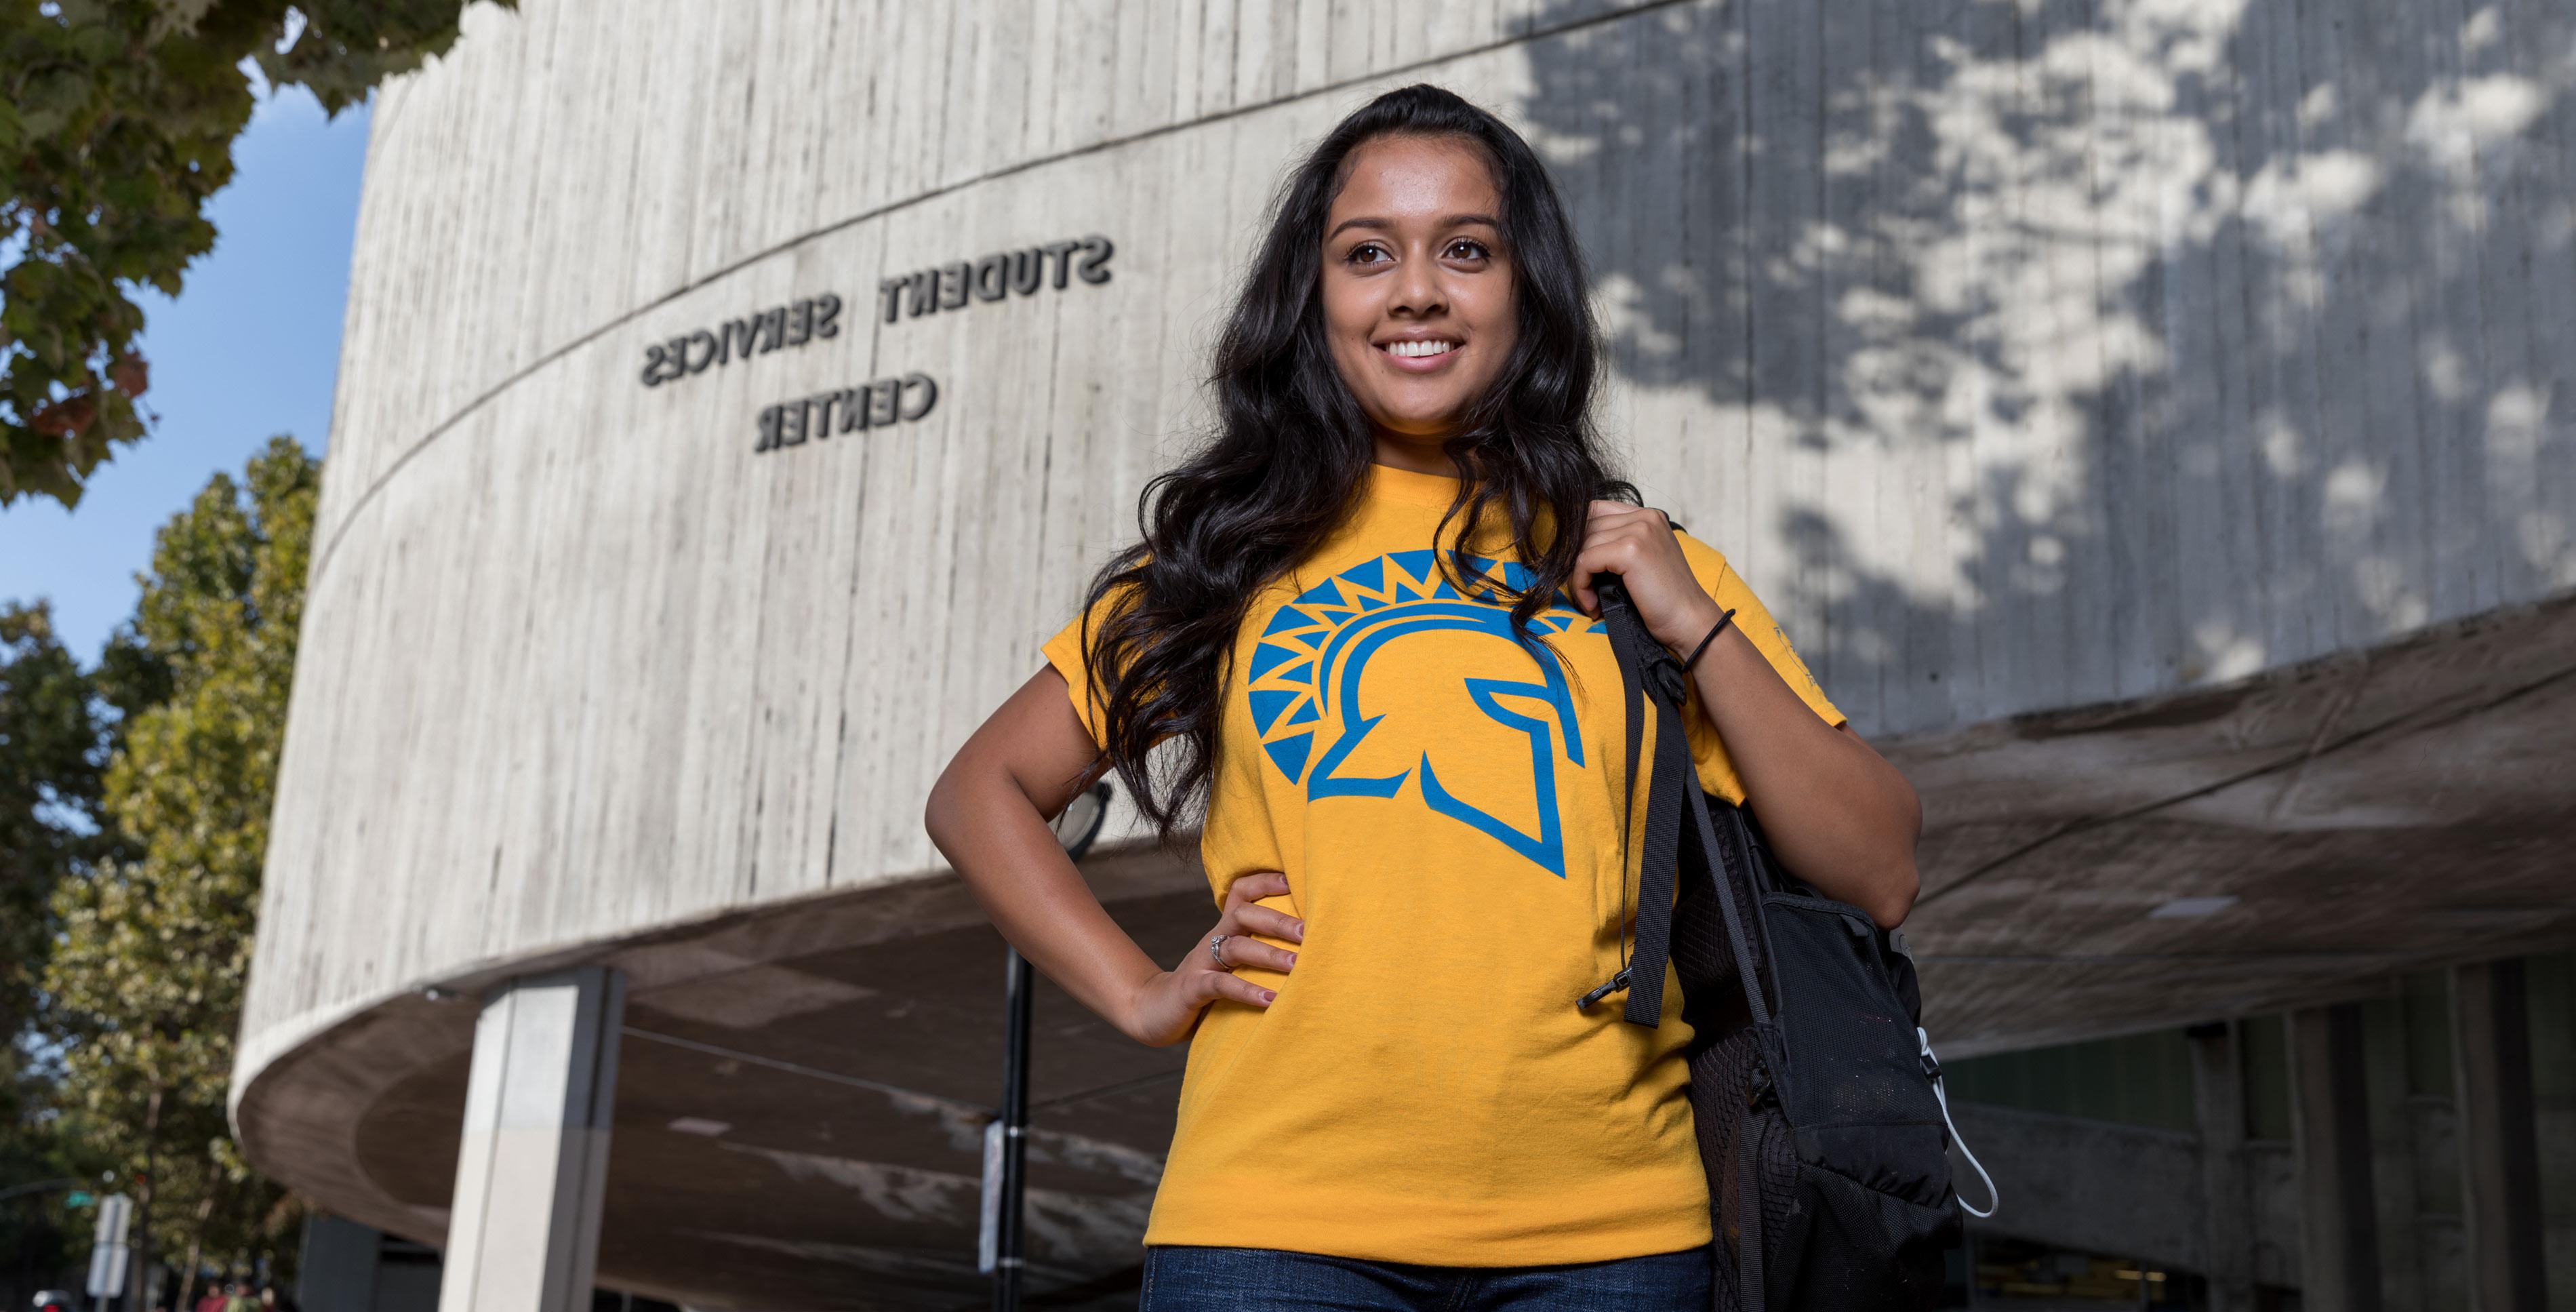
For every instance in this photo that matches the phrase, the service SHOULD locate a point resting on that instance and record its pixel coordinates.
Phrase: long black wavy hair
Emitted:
(1291, 449)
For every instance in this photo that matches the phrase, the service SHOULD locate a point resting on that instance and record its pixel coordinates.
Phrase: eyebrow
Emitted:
(1452, 221)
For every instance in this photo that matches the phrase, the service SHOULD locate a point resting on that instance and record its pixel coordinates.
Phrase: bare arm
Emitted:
(1839, 815)
(988, 814)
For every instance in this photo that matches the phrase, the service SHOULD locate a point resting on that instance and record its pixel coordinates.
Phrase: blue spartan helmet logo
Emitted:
(1305, 681)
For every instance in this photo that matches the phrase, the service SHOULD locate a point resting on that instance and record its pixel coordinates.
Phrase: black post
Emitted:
(1017, 980)
(1079, 824)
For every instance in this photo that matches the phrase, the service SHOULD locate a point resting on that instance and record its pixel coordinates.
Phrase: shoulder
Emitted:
(1707, 563)
(1716, 576)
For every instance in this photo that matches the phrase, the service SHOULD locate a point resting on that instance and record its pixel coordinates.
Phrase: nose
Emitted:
(1417, 291)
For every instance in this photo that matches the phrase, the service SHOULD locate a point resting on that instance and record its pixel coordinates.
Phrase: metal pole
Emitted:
(1076, 828)
(1017, 981)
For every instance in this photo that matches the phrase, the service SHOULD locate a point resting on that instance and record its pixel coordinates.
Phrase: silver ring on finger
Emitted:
(1216, 952)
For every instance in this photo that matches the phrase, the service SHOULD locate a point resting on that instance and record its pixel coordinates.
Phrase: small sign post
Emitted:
(108, 1255)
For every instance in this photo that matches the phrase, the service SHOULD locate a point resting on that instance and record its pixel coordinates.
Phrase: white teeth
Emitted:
(1420, 348)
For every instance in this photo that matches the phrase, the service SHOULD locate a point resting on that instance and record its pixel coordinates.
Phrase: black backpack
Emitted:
(1817, 1099)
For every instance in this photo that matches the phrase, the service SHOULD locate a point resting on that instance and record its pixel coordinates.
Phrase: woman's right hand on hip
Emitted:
(1166, 1008)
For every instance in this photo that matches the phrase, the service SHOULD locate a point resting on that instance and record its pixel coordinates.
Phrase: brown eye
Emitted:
(1467, 248)
(1367, 252)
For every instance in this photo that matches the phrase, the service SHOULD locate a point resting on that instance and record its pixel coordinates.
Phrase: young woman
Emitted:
(1358, 639)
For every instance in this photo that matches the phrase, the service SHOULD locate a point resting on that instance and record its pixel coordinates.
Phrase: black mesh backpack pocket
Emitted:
(1871, 1139)
(1853, 1046)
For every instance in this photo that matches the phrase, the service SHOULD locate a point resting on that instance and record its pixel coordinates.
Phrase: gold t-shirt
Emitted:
(1447, 809)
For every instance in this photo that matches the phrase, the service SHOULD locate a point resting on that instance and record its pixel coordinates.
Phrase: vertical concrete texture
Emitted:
(2499, 1149)
(2339, 1221)
(2549, 985)
(523, 1234)
(2023, 356)
(2403, 1280)
(2226, 1185)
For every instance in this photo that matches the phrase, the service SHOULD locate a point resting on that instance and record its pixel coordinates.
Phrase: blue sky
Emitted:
(248, 349)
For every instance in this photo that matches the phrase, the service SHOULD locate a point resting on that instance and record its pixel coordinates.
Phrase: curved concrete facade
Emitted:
(2201, 361)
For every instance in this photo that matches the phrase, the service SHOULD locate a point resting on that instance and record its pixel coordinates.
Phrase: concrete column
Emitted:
(2499, 1147)
(2392, 1153)
(523, 1234)
(2338, 1220)
(2226, 1187)
(338, 1269)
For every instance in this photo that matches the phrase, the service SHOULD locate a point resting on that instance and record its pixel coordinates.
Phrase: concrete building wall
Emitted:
(595, 665)
(2028, 356)
(2025, 355)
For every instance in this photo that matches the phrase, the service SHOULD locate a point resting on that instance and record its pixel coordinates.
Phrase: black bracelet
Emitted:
(1714, 630)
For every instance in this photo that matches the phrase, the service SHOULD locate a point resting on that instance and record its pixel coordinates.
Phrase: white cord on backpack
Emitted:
(1994, 1197)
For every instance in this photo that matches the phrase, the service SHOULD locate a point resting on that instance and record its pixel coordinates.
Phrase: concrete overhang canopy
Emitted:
(804, 1087)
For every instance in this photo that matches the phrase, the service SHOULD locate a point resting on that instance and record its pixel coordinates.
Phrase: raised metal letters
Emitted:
(760, 332)
(877, 404)
(902, 400)
(995, 277)
(992, 277)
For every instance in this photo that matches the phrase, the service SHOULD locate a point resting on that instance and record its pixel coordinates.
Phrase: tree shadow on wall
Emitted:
(2071, 350)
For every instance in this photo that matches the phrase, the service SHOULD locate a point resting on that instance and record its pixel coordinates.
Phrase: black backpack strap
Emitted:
(1651, 676)
(1737, 939)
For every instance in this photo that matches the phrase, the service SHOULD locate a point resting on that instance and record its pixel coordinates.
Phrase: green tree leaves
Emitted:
(146, 978)
(51, 754)
(117, 119)
(49, 794)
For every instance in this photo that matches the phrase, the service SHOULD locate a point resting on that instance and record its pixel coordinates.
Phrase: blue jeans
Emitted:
(1266, 1280)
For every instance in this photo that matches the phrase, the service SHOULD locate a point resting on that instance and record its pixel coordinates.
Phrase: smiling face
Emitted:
(1417, 291)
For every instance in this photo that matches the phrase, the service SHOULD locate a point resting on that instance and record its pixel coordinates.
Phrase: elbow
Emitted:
(939, 813)
(1893, 900)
